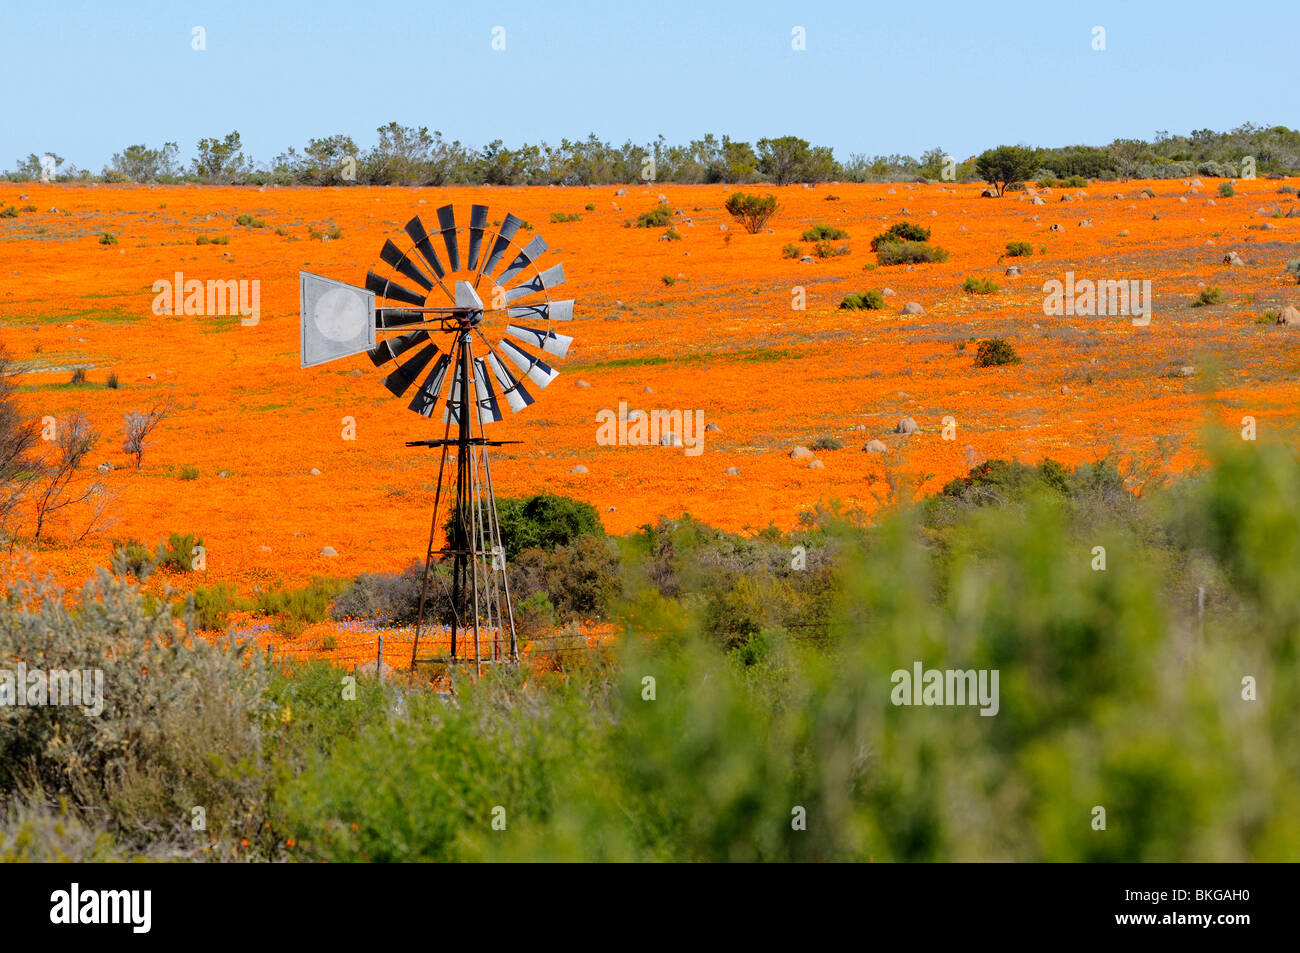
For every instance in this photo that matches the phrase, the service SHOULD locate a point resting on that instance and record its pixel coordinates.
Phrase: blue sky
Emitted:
(84, 79)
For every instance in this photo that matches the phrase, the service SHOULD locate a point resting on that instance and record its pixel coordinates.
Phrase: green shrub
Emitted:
(8, 211)
(823, 233)
(590, 207)
(657, 217)
(558, 217)
(1226, 190)
(179, 726)
(979, 286)
(107, 238)
(995, 352)
(827, 443)
(901, 232)
(672, 235)
(251, 221)
(1019, 249)
(130, 557)
(827, 250)
(668, 280)
(189, 472)
(541, 521)
(1207, 296)
(791, 250)
(213, 604)
(750, 210)
(306, 605)
(178, 553)
(870, 300)
(909, 253)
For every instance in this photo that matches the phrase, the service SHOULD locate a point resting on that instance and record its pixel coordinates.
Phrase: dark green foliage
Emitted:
(1019, 249)
(901, 232)
(752, 211)
(657, 217)
(541, 521)
(979, 286)
(1208, 296)
(1005, 166)
(870, 300)
(909, 253)
(995, 352)
(822, 233)
(177, 554)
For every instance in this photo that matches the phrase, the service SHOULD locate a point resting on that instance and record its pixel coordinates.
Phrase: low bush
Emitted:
(823, 233)
(1207, 296)
(979, 286)
(995, 352)
(751, 211)
(1019, 249)
(901, 232)
(909, 253)
(657, 217)
(871, 300)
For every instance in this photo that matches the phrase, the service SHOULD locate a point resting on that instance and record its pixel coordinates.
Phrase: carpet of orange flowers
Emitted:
(708, 322)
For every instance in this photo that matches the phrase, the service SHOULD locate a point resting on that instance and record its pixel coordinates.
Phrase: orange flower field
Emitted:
(723, 334)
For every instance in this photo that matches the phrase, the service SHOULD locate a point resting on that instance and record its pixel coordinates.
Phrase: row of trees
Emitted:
(410, 155)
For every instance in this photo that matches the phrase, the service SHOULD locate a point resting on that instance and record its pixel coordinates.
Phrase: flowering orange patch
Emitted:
(724, 335)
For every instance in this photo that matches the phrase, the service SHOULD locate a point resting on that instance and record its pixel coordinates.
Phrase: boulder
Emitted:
(369, 668)
(908, 426)
(816, 465)
(1289, 315)
(732, 471)
(579, 469)
(913, 308)
(329, 551)
(875, 446)
(801, 453)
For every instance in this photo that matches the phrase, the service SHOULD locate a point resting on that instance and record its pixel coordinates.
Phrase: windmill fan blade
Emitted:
(553, 311)
(395, 347)
(537, 371)
(532, 251)
(477, 223)
(393, 256)
(542, 282)
(489, 409)
(507, 231)
(396, 317)
(447, 223)
(516, 395)
(384, 288)
(426, 398)
(415, 229)
(548, 341)
(405, 375)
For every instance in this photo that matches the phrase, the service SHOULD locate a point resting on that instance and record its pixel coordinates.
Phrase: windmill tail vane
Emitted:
(468, 378)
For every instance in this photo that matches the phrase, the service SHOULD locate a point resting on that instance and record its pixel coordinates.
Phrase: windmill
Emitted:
(466, 379)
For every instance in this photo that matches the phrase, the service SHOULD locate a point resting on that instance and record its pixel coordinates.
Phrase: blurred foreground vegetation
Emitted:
(750, 689)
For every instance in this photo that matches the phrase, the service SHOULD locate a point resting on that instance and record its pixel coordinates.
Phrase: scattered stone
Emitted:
(808, 260)
(647, 389)
(711, 427)
(264, 548)
(732, 471)
(579, 469)
(1056, 227)
(329, 551)
(1085, 223)
(670, 440)
(1232, 258)
(369, 668)
(620, 192)
(582, 384)
(1013, 271)
(612, 509)
(888, 292)
(152, 377)
(1186, 370)
(1036, 201)
(724, 227)
(816, 465)
(908, 426)
(913, 308)
(104, 467)
(315, 472)
(1065, 388)
(801, 453)
(875, 446)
